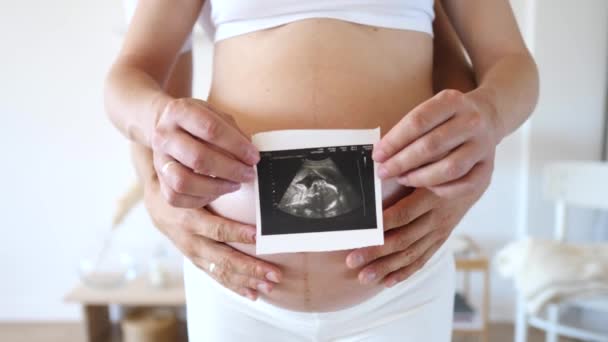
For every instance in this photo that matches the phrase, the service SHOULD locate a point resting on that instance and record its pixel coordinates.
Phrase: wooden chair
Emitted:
(578, 184)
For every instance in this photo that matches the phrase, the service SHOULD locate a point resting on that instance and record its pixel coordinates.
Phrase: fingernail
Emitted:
(249, 294)
(249, 173)
(403, 181)
(233, 187)
(368, 277)
(272, 276)
(355, 261)
(378, 154)
(253, 156)
(264, 288)
(382, 171)
(391, 282)
(248, 235)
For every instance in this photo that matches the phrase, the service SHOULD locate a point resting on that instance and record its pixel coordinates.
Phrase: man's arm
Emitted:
(451, 68)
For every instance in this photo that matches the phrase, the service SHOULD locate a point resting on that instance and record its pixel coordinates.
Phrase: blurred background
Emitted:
(64, 165)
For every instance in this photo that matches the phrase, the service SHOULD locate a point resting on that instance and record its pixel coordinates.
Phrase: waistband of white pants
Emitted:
(434, 264)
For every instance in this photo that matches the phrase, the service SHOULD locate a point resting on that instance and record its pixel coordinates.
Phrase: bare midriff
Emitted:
(317, 74)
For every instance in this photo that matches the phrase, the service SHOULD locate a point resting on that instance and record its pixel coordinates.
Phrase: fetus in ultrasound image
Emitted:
(317, 190)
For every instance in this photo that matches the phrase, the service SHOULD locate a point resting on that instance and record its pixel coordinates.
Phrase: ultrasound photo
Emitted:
(317, 190)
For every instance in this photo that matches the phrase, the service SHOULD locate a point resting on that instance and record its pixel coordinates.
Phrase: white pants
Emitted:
(418, 309)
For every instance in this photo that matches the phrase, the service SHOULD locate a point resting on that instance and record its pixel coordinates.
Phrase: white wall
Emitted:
(569, 122)
(569, 40)
(64, 164)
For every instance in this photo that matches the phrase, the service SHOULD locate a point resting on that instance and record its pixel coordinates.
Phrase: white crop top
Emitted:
(223, 19)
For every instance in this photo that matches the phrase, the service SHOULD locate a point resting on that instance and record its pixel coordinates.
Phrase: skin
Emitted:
(198, 231)
(416, 225)
(198, 234)
(443, 143)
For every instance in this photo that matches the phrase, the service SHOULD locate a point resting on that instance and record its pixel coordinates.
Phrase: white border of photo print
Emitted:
(337, 238)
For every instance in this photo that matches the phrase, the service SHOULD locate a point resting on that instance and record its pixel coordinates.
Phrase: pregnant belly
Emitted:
(315, 74)
(312, 281)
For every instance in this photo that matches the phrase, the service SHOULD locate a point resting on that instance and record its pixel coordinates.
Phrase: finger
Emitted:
(204, 124)
(409, 208)
(406, 272)
(388, 264)
(237, 280)
(242, 285)
(231, 260)
(201, 222)
(428, 148)
(183, 181)
(395, 240)
(230, 120)
(225, 116)
(221, 229)
(416, 123)
(178, 200)
(457, 164)
(478, 178)
(200, 158)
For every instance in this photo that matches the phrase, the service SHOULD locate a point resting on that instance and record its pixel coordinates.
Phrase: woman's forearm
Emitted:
(142, 160)
(448, 143)
(134, 94)
(134, 101)
(178, 85)
(505, 70)
(509, 89)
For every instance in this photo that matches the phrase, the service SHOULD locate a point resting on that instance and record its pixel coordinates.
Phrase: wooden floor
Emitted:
(72, 332)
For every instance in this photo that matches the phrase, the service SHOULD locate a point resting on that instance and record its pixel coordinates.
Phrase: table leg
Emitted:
(97, 323)
(486, 304)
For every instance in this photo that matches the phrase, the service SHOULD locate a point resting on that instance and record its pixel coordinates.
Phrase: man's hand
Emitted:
(201, 237)
(415, 227)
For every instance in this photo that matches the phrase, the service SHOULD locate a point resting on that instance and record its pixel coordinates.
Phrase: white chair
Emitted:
(578, 184)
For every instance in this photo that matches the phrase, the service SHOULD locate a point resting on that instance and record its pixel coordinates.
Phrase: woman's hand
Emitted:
(200, 154)
(443, 144)
(200, 236)
(415, 227)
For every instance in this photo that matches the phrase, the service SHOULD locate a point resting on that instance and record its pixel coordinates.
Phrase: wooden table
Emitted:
(475, 262)
(138, 293)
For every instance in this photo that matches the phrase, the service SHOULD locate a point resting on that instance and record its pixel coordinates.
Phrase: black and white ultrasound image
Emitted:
(317, 190)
